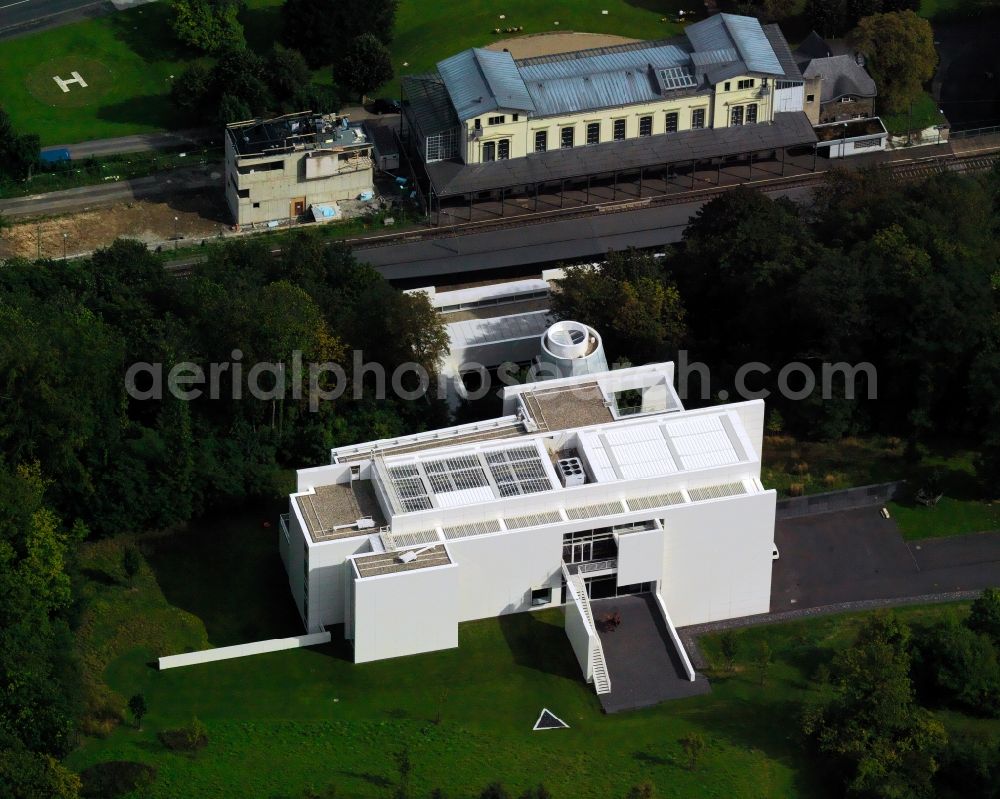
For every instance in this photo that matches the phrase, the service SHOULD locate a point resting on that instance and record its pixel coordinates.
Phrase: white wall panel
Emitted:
(640, 557)
(405, 613)
(717, 558)
(498, 572)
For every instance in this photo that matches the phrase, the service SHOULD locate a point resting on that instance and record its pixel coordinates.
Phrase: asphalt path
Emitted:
(142, 142)
(84, 197)
(21, 16)
(857, 555)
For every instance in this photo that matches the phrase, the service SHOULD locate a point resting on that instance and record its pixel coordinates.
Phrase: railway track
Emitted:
(902, 170)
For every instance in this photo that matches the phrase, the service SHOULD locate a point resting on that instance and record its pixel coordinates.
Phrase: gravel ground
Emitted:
(536, 44)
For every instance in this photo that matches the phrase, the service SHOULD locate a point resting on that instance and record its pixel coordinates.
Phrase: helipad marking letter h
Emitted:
(65, 84)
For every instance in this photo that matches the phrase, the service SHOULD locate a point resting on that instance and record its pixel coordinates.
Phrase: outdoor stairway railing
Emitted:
(602, 680)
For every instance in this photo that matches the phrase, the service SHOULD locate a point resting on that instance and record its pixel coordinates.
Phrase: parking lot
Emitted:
(855, 555)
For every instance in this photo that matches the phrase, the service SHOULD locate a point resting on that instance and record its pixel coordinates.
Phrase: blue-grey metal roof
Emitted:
(726, 55)
(479, 81)
(607, 78)
(601, 90)
(611, 59)
(744, 34)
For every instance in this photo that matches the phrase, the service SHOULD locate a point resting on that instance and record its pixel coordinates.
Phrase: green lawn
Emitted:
(128, 57)
(925, 114)
(948, 517)
(127, 60)
(280, 722)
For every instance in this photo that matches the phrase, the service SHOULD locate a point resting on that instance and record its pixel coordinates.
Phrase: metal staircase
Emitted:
(602, 680)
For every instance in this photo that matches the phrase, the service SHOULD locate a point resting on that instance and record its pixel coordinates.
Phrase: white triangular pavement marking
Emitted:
(541, 716)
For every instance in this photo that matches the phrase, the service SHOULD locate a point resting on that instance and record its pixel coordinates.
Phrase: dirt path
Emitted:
(536, 44)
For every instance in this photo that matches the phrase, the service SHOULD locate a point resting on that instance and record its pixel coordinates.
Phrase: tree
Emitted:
(644, 790)
(191, 89)
(762, 660)
(984, 615)
(18, 151)
(323, 29)
(693, 745)
(871, 732)
(630, 300)
(964, 667)
(827, 16)
(404, 767)
(729, 644)
(494, 790)
(29, 775)
(209, 26)
(363, 66)
(137, 707)
(131, 563)
(899, 52)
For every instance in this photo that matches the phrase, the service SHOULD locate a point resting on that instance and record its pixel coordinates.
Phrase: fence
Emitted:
(860, 497)
(973, 132)
(242, 650)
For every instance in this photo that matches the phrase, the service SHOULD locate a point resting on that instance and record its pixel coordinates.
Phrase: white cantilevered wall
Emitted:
(404, 613)
(717, 558)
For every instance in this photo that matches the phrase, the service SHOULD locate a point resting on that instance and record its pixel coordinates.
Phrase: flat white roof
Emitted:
(626, 449)
(477, 332)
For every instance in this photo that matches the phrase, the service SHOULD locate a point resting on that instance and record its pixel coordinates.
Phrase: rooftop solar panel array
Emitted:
(518, 470)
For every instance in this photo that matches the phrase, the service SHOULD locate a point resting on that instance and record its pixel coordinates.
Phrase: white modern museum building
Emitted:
(593, 484)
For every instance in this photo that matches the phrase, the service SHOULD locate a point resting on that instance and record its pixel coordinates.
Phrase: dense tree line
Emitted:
(81, 457)
(242, 85)
(902, 276)
(874, 732)
(18, 151)
(324, 29)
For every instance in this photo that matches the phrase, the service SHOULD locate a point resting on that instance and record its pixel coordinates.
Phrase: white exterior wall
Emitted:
(496, 573)
(327, 574)
(640, 557)
(717, 558)
(579, 634)
(405, 613)
(843, 149)
(792, 99)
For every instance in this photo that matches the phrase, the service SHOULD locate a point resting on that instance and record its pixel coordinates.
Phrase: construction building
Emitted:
(285, 168)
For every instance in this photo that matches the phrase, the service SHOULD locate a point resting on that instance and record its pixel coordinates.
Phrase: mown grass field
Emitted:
(282, 722)
(132, 55)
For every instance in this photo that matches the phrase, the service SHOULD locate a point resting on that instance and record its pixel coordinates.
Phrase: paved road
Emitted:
(142, 142)
(22, 16)
(110, 193)
(857, 555)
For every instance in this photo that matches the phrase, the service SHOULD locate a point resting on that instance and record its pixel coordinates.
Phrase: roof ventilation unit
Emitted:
(571, 472)
(571, 348)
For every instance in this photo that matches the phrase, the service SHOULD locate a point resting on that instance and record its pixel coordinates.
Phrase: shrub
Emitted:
(189, 738)
(115, 778)
(796, 489)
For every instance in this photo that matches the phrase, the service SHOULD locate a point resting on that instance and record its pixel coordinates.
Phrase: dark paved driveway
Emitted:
(25, 16)
(856, 555)
(643, 665)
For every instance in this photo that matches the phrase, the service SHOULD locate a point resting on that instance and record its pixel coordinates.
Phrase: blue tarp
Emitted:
(54, 156)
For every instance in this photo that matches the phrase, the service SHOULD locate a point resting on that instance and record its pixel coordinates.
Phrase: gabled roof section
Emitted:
(479, 81)
(842, 76)
(742, 34)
